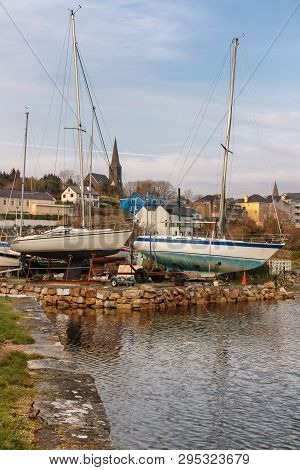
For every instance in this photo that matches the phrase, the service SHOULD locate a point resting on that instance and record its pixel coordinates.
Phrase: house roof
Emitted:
(173, 209)
(273, 198)
(27, 195)
(77, 190)
(101, 179)
(209, 198)
(256, 198)
(293, 196)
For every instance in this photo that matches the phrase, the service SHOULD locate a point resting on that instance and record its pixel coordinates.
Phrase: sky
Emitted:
(151, 64)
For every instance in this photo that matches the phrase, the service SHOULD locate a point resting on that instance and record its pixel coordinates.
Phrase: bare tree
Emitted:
(157, 188)
(188, 194)
(67, 177)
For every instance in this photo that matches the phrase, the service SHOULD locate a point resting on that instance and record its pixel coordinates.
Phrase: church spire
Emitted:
(115, 170)
(115, 161)
(275, 192)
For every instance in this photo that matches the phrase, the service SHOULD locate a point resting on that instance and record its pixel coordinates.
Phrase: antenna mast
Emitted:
(222, 217)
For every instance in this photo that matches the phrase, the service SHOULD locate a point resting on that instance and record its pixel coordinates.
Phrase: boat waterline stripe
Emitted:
(209, 242)
(207, 255)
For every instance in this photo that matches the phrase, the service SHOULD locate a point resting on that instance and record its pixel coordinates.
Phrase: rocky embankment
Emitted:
(144, 296)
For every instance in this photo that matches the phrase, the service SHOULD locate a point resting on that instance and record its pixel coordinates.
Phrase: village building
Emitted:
(73, 194)
(257, 207)
(98, 182)
(292, 202)
(208, 206)
(101, 183)
(34, 203)
(136, 201)
(168, 220)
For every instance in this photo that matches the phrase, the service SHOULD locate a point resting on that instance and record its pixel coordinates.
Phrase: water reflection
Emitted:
(213, 378)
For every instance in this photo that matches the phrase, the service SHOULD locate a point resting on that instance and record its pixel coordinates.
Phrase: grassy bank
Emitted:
(16, 384)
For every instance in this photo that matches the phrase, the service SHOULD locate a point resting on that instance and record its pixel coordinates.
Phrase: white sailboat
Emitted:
(9, 259)
(79, 243)
(215, 254)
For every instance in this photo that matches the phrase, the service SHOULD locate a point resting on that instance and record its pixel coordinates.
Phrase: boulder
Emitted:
(226, 292)
(91, 293)
(75, 292)
(132, 293)
(114, 296)
(125, 307)
(234, 293)
(290, 295)
(109, 304)
(149, 295)
(149, 289)
(269, 285)
(63, 291)
(103, 295)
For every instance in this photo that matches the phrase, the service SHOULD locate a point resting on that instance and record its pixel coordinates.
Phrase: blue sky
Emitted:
(151, 64)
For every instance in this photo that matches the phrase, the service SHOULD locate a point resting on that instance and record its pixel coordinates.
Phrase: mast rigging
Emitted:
(222, 216)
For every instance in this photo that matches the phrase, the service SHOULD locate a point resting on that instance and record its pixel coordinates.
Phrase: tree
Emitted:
(51, 184)
(67, 177)
(156, 188)
(188, 194)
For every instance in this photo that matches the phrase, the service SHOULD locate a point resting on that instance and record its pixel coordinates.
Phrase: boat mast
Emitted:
(222, 217)
(24, 168)
(91, 167)
(79, 126)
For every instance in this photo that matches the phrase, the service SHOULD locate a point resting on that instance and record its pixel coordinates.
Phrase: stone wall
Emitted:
(144, 296)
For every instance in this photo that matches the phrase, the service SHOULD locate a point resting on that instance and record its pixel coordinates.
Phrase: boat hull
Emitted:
(206, 255)
(9, 260)
(78, 245)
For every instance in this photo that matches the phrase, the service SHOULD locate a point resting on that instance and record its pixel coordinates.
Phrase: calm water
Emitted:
(226, 377)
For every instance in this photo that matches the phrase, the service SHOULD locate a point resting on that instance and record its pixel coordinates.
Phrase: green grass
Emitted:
(16, 395)
(16, 384)
(10, 330)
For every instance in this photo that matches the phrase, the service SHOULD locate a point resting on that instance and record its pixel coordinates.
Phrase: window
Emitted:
(12, 202)
(72, 195)
(27, 203)
(4, 202)
(64, 196)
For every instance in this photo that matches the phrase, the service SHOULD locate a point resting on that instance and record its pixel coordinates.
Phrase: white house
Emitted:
(167, 220)
(73, 194)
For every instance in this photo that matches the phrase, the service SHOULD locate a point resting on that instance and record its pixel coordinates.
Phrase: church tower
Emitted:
(115, 170)
(275, 192)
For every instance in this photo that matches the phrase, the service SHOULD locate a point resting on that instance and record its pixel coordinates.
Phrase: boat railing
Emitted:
(261, 238)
